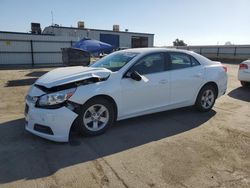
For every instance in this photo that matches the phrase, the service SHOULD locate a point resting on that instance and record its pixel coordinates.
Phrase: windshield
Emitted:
(115, 61)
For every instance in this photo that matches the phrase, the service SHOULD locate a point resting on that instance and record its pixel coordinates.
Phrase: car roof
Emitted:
(156, 49)
(145, 51)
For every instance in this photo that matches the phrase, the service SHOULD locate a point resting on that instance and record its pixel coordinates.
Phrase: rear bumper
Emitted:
(243, 75)
(222, 86)
(59, 121)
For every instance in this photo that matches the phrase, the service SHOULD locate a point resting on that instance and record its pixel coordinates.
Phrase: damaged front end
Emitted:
(70, 85)
(50, 111)
(57, 96)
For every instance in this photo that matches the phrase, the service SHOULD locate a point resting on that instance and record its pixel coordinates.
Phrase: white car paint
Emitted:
(70, 74)
(244, 73)
(154, 93)
(151, 92)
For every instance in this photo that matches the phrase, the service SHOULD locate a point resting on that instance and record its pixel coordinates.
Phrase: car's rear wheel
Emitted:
(206, 98)
(96, 117)
(245, 84)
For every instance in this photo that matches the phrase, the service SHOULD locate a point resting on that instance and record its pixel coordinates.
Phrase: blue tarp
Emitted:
(93, 46)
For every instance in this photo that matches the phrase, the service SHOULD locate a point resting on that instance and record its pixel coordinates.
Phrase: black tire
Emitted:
(83, 128)
(245, 84)
(199, 104)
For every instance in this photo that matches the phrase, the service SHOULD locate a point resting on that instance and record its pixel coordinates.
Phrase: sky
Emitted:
(197, 22)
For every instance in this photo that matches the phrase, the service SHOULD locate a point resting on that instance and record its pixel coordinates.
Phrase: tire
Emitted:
(245, 84)
(95, 117)
(206, 98)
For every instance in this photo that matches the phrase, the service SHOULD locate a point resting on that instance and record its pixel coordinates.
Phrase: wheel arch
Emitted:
(107, 97)
(212, 83)
(75, 126)
(198, 104)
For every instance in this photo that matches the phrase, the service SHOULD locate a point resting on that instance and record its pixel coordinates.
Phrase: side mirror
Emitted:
(135, 76)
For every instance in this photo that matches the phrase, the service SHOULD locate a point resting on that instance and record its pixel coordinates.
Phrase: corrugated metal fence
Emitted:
(31, 52)
(222, 52)
(28, 49)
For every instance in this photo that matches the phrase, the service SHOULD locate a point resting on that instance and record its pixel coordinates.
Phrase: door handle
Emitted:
(163, 81)
(198, 75)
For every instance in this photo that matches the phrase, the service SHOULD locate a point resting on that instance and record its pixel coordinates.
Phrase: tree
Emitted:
(178, 42)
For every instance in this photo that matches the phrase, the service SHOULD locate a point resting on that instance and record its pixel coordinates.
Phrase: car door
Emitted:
(187, 76)
(152, 91)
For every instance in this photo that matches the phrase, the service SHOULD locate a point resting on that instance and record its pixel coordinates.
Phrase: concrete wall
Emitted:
(125, 37)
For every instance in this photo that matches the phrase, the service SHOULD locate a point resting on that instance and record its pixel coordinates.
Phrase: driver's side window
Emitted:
(150, 64)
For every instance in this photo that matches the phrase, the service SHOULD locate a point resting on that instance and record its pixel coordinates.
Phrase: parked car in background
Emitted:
(244, 73)
(124, 84)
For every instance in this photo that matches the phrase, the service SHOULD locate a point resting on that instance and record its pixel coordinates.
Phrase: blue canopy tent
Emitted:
(80, 53)
(93, 46)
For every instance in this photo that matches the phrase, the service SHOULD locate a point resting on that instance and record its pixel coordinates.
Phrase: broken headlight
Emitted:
(56, 98)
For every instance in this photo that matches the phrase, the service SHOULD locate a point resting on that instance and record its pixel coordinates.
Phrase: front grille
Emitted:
(43, 129)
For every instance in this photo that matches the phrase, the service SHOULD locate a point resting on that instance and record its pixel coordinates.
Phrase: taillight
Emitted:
(225, 68)
(243, 66)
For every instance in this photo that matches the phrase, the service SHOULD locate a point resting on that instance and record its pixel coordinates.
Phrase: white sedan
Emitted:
(122, 85)
(244, 73)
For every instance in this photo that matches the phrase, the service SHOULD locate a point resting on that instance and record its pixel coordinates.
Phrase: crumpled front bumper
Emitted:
(58, 120)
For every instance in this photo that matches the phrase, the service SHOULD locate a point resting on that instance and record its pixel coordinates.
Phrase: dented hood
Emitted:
(61, 76)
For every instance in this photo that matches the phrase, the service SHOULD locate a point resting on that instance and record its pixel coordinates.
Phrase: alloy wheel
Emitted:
(207, 99)
(96, 117)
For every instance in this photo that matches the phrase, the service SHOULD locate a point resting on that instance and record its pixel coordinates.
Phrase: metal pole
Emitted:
(235, 51)
(218, 51)
(52, 18)
(32, 52)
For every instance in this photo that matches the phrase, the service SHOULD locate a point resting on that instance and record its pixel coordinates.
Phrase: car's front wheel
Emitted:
(206, 98)
(96, 117)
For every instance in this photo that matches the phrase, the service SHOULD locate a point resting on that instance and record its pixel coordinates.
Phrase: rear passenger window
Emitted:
(180, 60)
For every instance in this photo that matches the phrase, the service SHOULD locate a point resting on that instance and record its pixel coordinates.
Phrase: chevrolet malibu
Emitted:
(122, 85)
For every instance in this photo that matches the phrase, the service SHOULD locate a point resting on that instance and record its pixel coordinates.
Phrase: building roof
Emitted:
(23, 33)
(88, 29)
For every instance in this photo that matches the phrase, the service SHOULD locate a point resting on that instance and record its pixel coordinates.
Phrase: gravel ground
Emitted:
(178, 148)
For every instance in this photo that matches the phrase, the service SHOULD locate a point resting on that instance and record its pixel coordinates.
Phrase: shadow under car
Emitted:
(240, 93)
(25, 156)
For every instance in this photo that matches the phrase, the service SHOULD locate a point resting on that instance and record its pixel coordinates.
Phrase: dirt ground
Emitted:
(178, 148)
